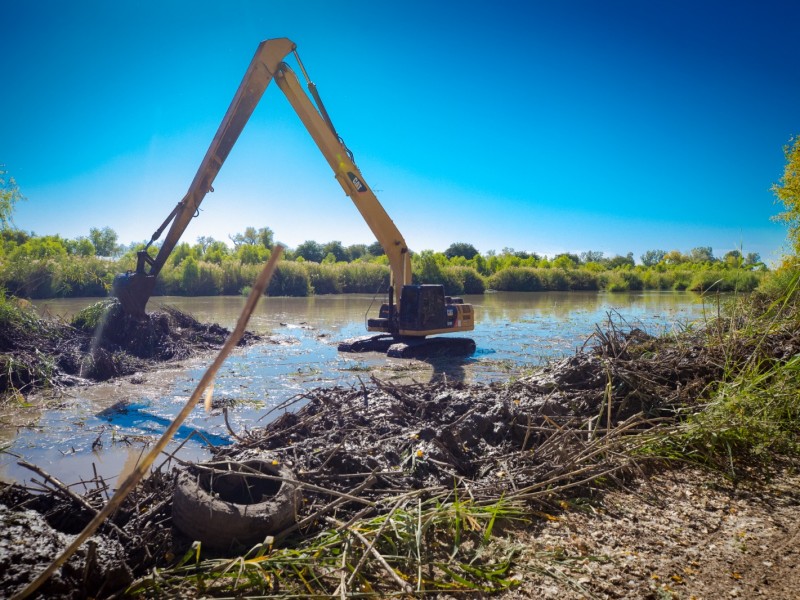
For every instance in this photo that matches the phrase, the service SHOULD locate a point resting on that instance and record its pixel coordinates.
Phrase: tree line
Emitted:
(53, 266)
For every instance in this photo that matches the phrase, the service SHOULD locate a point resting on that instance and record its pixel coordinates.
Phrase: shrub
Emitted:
(555, 279)
(365, 278)
(516, 279)
(325, 278)
(289, 279)
(724, 281)
(580, 279)
(469, 280)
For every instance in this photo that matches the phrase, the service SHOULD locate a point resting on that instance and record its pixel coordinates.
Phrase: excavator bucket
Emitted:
(133, 290)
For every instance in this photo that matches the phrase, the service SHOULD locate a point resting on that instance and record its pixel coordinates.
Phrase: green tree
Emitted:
(310, 250)
(9, 196)
(594, 256)
(753, 261)
(702, 254)
(733, 259)
(205, 241)
(337, 249)
(566, 261)
(375, 249)
(252, 254)
(788, 192)
(250, 236)
(266, 237)
(462, 249)
(80, 247)
(104, 240)
(356, 251)
(621, 261)
(216, 252)
(653, 257)
(675, 257)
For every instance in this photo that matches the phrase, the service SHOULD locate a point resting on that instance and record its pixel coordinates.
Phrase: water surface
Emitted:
(105, 428)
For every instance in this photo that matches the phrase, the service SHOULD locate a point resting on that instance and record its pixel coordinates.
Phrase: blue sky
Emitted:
(617, 126)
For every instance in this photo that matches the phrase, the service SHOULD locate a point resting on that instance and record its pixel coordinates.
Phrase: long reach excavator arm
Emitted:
(420, 315)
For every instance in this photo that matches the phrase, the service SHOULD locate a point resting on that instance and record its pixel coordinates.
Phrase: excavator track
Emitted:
(410, 347)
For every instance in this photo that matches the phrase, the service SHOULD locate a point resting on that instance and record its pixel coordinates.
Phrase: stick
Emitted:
(68, 493)
(140, 471)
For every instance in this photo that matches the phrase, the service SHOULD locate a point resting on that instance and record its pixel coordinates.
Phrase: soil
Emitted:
(674, 534)
(46, 352)
(600, 522)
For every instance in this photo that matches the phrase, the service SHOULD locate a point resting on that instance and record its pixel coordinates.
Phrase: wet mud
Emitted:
(559, 429)
(100, 343)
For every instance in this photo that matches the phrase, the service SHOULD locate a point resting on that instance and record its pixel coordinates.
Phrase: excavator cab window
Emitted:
(422, 307)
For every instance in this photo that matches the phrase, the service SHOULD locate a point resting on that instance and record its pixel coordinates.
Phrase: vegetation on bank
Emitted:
(50, 266)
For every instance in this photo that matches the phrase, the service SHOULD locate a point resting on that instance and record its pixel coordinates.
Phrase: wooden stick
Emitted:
(68, 493)
(139, 472)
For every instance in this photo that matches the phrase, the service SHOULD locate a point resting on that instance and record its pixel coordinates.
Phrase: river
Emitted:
(105, 428)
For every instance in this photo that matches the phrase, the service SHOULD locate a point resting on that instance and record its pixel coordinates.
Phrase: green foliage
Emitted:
(432, 545)
(337, 250)
(365, 278)
(469, 280)
(652, 257)
(310, 250)
(723, 281)
(750, 418)
(263, 237)
(90, 317)
(290, 279)
(462, 249)
(518, 279)
(583, 280)
(565, 261)
(9, 196)
(251, 254)
(427, 267)
(702, 254)
(104, 241)
(787, 191)
(325, 278)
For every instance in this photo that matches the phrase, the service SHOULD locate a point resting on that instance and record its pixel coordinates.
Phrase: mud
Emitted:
(102, 342)
(554, 434)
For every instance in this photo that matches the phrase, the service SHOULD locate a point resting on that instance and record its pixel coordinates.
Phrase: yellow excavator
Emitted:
(412, 313)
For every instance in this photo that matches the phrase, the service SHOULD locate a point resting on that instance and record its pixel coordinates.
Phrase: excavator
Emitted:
(413, 311)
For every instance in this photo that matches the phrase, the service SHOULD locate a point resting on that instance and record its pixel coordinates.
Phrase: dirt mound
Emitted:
(102, 342)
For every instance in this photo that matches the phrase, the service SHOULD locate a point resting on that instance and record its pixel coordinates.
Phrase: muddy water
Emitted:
(105, 428)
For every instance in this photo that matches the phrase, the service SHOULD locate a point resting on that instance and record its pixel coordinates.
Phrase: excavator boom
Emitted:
(134, 289)
(413, 311)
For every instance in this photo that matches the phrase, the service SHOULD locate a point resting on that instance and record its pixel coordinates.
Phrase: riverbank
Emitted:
(549, 484)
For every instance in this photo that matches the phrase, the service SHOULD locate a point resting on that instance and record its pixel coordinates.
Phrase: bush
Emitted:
(724, 281)
(365, 278)
(290, 279)
(584, 280)
(516, 279)
(555, 279)
(325, 278)
(469, 280)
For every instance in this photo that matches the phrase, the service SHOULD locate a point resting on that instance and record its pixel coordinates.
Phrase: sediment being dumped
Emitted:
(101, 342)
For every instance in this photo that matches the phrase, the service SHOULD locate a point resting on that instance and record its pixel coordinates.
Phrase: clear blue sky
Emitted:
(614, 125)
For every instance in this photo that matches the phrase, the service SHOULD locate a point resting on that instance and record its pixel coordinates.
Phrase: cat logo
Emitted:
(357, 182)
